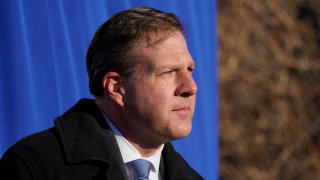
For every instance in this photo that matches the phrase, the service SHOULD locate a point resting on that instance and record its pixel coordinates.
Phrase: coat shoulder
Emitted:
(31, 154)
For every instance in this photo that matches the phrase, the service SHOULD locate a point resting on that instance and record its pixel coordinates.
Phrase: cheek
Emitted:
(157, 107)
(160, 94)
(152, 105)
(159, 104)
(151, 99)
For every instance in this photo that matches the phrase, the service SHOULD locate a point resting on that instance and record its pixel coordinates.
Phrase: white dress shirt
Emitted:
(130, 153)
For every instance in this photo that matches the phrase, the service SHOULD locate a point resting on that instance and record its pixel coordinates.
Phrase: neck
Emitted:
(145, 148)
(144, 152)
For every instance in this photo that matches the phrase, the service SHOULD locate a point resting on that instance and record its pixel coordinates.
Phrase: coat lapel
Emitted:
(175, 167)
(85, 137)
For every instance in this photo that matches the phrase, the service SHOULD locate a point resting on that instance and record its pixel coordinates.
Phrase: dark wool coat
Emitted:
(80, 146)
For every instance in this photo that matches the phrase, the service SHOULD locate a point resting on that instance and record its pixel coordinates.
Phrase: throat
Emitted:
(147, 152)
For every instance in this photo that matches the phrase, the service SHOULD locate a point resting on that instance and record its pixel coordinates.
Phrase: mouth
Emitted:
(182, 110)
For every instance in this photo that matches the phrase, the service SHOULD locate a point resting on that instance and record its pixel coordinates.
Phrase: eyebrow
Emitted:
(176, 65)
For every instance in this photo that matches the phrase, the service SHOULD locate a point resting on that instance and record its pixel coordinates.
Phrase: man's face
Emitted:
(160, 95)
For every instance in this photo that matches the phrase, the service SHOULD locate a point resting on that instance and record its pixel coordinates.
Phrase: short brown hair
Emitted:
(111, 44)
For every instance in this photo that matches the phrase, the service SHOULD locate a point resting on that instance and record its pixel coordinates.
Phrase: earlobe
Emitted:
(113, 87)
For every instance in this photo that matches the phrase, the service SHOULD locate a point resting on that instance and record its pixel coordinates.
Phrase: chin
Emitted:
(181, 133)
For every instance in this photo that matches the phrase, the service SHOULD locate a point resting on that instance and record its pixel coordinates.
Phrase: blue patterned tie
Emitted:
(141, 168)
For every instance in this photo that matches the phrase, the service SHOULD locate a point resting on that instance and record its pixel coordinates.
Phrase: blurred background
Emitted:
(269, 89)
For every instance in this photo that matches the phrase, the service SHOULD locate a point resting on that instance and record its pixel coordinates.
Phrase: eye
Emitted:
(169, 72)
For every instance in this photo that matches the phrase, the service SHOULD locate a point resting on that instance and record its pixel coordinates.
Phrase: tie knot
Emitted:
(141, 168)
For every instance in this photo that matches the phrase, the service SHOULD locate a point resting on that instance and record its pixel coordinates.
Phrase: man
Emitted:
(140, 73)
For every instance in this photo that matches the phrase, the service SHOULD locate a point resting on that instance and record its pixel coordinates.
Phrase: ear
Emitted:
(113, 87)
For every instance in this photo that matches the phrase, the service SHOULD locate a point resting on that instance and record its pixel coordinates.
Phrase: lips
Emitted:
(182, 110)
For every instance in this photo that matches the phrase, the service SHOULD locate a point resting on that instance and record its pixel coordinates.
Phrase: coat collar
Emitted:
(175, 167)
(85, 137)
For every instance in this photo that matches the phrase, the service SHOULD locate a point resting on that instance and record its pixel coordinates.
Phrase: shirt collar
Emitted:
(130, 153)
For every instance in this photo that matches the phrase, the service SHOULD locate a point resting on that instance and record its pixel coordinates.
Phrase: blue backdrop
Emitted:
(42, 71)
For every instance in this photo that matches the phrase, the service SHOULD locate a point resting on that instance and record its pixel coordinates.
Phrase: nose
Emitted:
(186, 86)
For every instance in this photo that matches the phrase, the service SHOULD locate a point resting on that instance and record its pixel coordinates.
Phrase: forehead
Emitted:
(168, 49)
